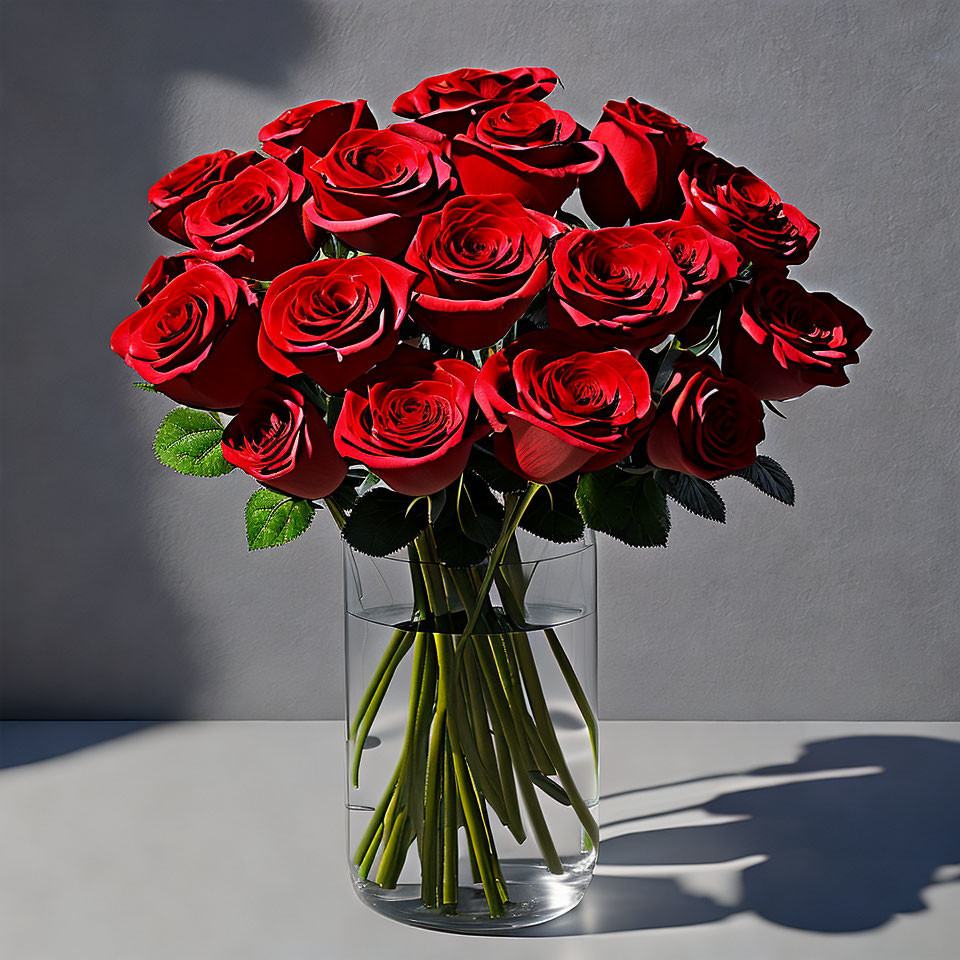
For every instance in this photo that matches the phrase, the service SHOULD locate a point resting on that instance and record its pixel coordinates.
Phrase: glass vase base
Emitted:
(536, 896)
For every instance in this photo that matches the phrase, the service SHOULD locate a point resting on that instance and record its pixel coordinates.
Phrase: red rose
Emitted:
(735, 204)
(706, 424)
(705, 261)
(373, 186)
(175, 191)
(334, 319)
(449, 102)
(251, 225)
(314, 126)
(196, 340)
(617, 285)
(557, 409)
(412, 421)
(645, 151)
(526, 149)
(163, 270)
(282, 440)
(482, 260)
(784, 341)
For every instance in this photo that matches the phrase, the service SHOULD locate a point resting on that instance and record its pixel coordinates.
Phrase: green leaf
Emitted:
(553, 514)
(147, 387)
(486, 466)
(571, 219)
(188, 441)
(768, 476)
(274, 518)
(625, 506)
(383, 521)
(697, 495)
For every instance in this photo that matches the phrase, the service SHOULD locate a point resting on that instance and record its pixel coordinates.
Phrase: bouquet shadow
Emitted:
(839, 841)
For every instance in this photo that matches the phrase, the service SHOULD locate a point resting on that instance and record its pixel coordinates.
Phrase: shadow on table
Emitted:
(842, 854)
(23, 742)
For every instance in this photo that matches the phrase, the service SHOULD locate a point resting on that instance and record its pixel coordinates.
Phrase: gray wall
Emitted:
(128, 591)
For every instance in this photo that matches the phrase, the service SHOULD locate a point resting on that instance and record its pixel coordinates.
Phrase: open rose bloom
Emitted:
(408, 324)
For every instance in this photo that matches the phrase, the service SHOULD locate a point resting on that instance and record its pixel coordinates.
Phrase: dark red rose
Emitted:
(482, 261)
(645, 152)
(557, 409)
(707, 424)
(526, 149)
(314, 126)
(250, 225)
(334, 319)
(412, 421)
(196, 340)
(449, 102)
(784, 341)
(735, 204)
(373, 186)
(175, 191)
(705, 261)
(163, 270)
(281, 439)
(617, 285)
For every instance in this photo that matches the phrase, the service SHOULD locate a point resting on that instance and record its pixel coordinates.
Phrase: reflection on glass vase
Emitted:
(472, 749)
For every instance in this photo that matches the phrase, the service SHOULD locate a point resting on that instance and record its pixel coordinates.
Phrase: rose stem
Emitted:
(505, 769)
(415, 771)
(396, 641)
(450, 844)
(569, 674)
(376, 821)
(374, 705)
(547, 732)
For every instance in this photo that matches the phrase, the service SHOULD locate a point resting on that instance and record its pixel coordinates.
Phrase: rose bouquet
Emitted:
(404, 327)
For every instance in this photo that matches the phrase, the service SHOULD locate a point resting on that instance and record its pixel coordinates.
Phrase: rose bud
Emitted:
(175, 191)
(526, 149)
(281, 439)
(557, 409)
(412, 421)
(738, 206)
(334, 319)
(450, 101)
(251, 225)
(707, 424)
(163, 270)
(196, 340)
(373, 186)
(784, 341)
(314, 126)
(645, 152)
(705, 261)
(482, 261)
(617, 286)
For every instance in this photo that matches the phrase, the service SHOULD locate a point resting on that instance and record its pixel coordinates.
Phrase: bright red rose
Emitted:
(705, 261)
(526, 149)
(334, 319)
(281, 439)
(373, 186)
(557, 409)
(784, 341)
(163, 270)
(735, 204)
(175, 191)
(617, 285)
(412, 421)
(250, 225)
(482, 260)
(645, 152)
(449, 102)
(196, 340)
(314, 126)
(707, 424)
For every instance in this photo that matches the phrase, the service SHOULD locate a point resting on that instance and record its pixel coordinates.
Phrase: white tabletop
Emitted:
(210, 840)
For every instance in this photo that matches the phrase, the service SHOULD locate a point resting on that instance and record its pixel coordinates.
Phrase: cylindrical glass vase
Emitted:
(471, 755)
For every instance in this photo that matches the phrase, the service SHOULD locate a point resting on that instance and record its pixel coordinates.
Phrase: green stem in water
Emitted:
(576, 690)
(451, 851)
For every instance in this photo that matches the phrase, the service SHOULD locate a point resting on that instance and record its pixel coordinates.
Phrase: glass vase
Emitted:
(471, 754)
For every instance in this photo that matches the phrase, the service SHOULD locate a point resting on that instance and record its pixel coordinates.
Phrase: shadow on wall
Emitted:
(822, 844)
(89, 629)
